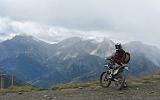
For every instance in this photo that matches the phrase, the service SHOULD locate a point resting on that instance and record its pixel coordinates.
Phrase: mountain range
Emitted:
(74, 59)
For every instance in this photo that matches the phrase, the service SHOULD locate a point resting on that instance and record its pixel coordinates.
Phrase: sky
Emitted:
(54, 20)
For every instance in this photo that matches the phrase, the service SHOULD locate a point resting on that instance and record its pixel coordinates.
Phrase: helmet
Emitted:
(118, 46)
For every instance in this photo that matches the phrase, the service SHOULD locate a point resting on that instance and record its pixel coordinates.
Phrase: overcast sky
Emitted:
(53, 20)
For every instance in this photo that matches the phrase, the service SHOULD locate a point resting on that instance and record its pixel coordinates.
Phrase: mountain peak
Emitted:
(22, 37)
(71, 40)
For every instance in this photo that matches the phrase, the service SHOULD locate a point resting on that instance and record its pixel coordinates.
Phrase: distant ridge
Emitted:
(72, 60)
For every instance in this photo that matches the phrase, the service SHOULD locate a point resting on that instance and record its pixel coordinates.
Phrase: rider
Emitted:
(119, 55)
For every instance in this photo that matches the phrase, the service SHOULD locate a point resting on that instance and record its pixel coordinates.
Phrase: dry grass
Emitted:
(131, 81)
(144, 80)
(76, 86)
(18, 89)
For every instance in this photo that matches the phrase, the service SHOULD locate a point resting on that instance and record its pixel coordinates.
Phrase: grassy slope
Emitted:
(130, 81)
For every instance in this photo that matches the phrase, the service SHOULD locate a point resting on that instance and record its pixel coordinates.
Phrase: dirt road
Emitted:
(147, 91)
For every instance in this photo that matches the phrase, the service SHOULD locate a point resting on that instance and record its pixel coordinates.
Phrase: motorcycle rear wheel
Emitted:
(120, 81)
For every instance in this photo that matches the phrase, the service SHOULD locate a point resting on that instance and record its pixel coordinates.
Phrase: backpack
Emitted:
(127, 58)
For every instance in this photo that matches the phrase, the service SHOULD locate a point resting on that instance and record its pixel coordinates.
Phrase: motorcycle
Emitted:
(114, 73)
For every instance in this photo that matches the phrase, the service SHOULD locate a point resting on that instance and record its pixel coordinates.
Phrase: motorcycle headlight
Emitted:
(126, 68)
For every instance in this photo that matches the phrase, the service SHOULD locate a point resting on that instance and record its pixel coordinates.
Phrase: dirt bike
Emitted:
(113, 73)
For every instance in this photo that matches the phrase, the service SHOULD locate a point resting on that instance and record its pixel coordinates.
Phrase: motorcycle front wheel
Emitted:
(104, 80)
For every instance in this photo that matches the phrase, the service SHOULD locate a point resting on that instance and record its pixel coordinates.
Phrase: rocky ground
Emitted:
(145, 91)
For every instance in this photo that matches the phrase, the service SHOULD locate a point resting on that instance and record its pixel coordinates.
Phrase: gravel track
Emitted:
(147, 91)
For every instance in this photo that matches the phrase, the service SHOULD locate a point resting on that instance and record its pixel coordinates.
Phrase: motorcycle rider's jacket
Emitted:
(119, 56)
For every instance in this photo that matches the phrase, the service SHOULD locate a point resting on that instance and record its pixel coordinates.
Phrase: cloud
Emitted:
(10, 28)
(4, 36)
(112, 15)
(121, 20)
